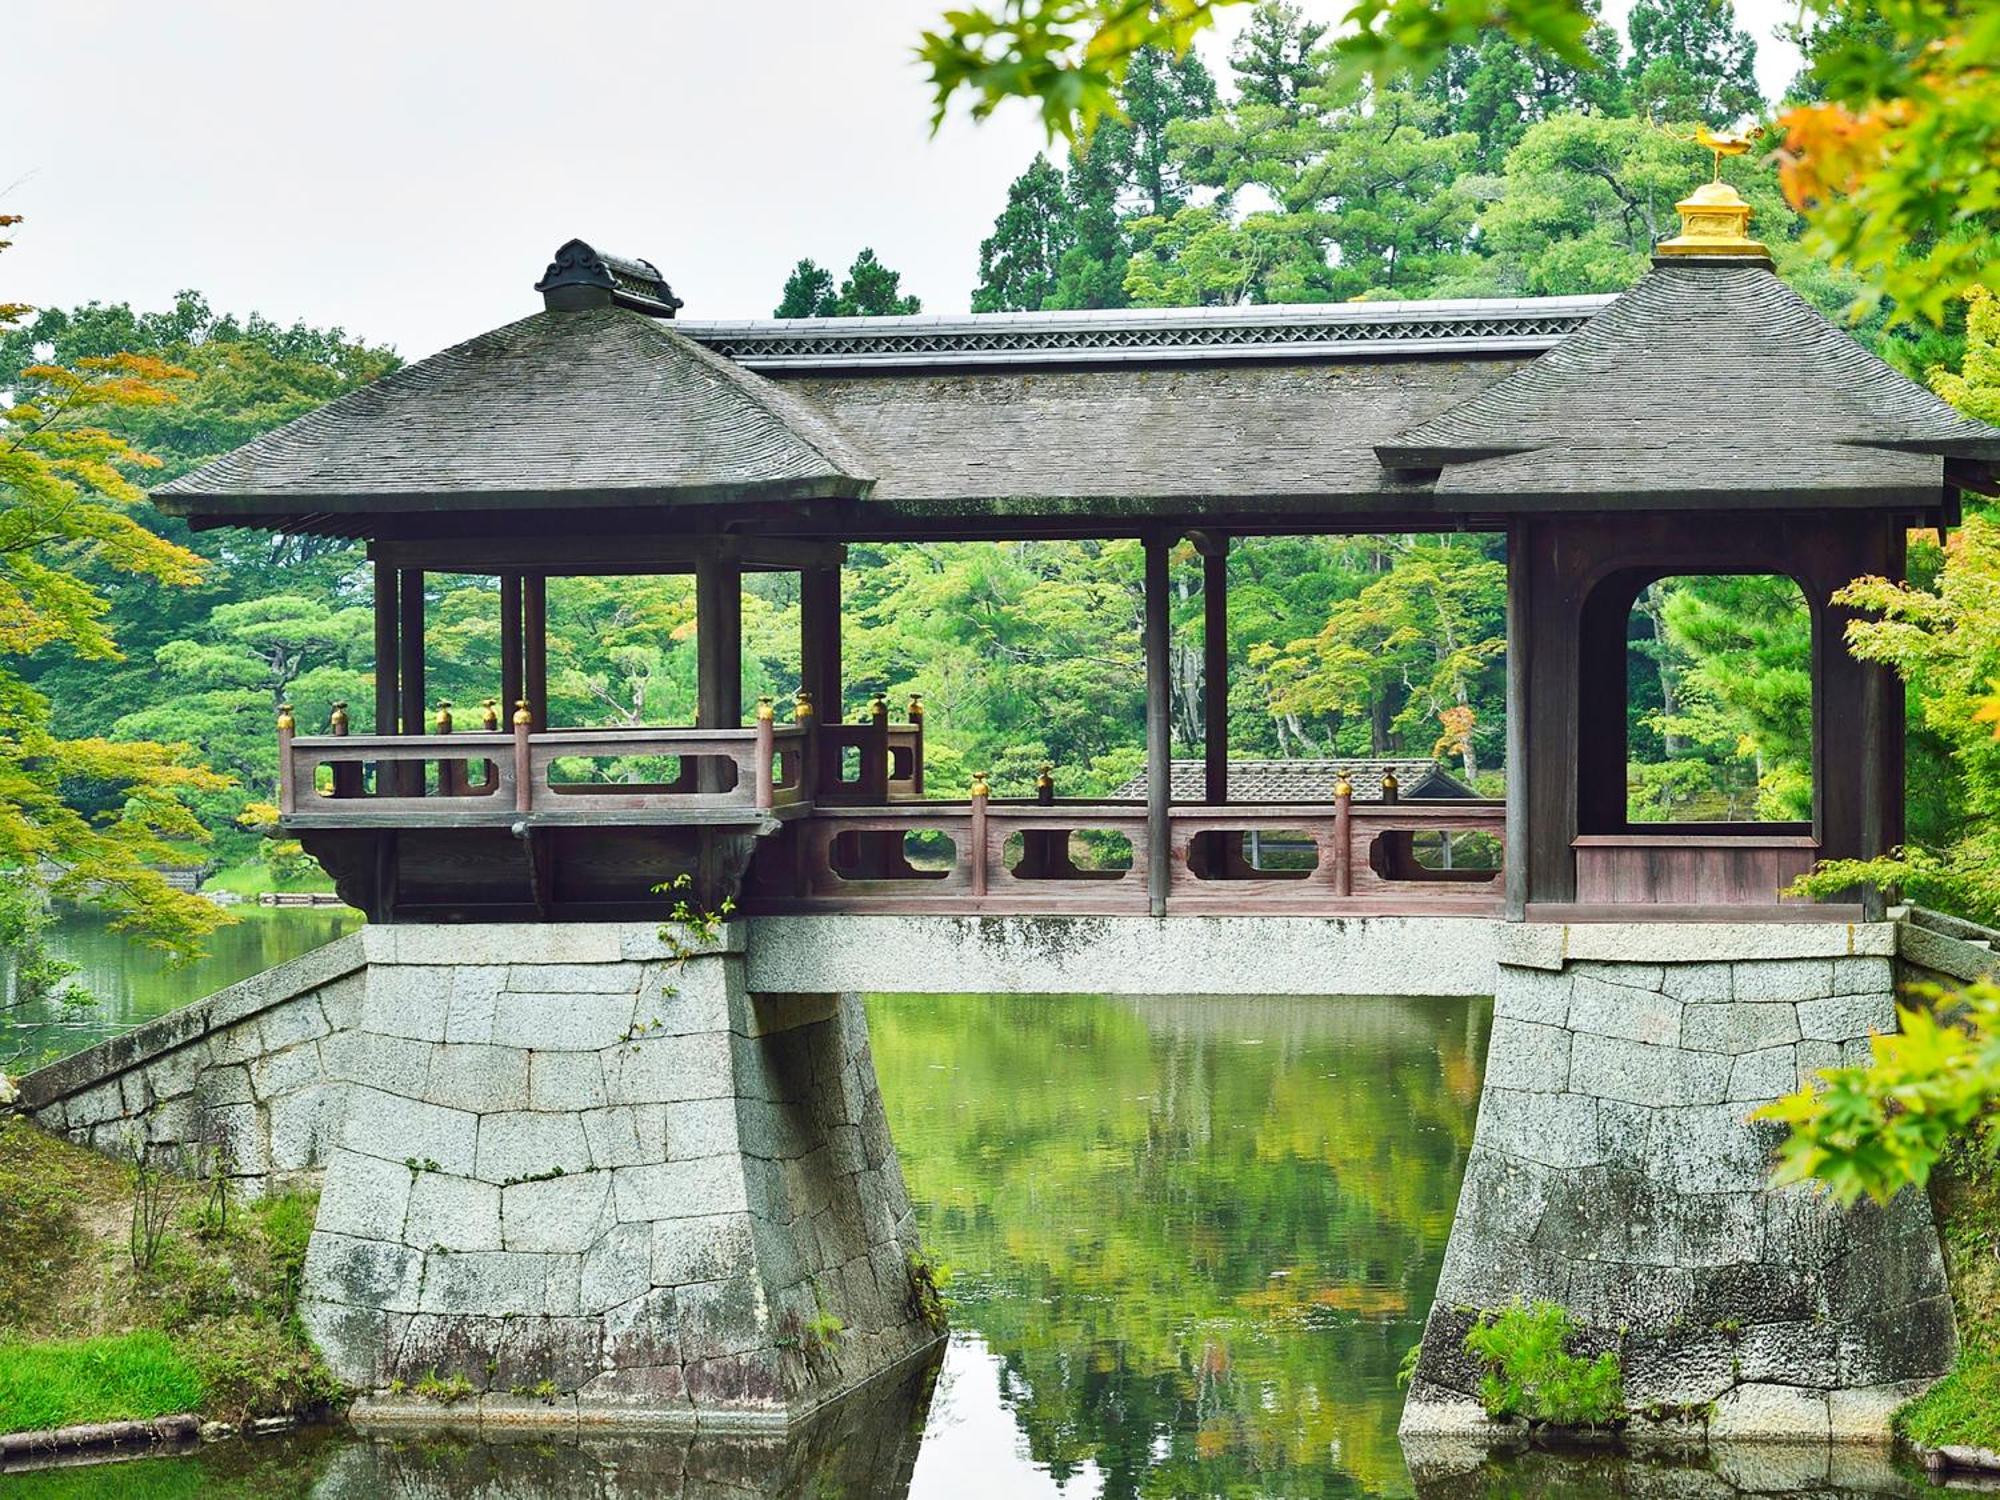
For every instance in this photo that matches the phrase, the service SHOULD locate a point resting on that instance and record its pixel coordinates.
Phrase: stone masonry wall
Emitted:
(572, 1164)
(1613, 1170)
(258, 1070)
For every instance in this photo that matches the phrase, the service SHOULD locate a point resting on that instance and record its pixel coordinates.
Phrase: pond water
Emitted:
(1191, 1242)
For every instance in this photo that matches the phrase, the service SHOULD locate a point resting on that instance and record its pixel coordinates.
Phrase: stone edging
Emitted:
(1956, 1458)
(177, 1029)
(184, 1427)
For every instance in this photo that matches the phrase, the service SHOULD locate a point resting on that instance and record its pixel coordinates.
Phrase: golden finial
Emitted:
(765, 712)
(979, 786)
(523, 717)
(916, 708)
(1047, 777)
(1343, 787)
(802, 706)
(337, 720)
(444, 716)
(878, 709)
(1714, 218)
(489, 715)
(1390, 786)
(286, 723)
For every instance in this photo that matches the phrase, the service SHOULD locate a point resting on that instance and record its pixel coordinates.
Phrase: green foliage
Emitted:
(1531, 1374)
(42, 1233)
(251, 1367)
(871, 290)
(928, 1280)
(1691, 61)
(1875, 1130)
(1974, 388)
(1021, 260)
(119, 1377)
(446, 1390)
(1963, 1409)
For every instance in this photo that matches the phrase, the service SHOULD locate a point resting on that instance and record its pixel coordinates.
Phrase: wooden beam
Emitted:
(385, 649)
(535, 647)
(1215, 670)
(587, 555)
(1159, 738)
(510, 645)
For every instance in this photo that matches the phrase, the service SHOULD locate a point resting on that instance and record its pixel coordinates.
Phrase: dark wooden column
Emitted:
(535, 647)
(510, 644)
(1520, 655)
(1215, 668)
(718, 640)
(385, 649)
(819, 640)
(410, 590)
(1159, 739)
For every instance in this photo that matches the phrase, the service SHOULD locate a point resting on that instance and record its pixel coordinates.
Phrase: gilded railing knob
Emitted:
(979, 786)
(489, 717)
(522, 716)
(337, 720)
(443, 720)
(286, 723)
(1343, 787)
(1047, 776)
(802, 705)
(765, 711)
(916, 708)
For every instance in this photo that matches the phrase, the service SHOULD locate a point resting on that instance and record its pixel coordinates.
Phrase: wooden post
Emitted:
(510, 638)
(524, 761)
(766, 753)
(385, 654)
(1514, 853)
(819, 638)
(535, 646)
(410, 672)
(1343, 836)
(804, 718)
(978, 851)
(346, 773)
(718, 646)
(917, 745)
(875, 759)
(451, 773)
(287, 794)
(1215, 670)
(1159, 742)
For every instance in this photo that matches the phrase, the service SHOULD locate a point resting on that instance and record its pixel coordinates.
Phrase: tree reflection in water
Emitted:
(1197, 1235)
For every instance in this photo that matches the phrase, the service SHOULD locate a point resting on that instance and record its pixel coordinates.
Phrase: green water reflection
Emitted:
(133, 983)
(1197, 1235)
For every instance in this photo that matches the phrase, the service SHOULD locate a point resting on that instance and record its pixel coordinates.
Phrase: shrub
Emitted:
(252, 1368)
(1531, 1373)
(62, 1382)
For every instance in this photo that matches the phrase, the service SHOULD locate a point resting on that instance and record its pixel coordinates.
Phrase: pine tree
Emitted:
(808, 293)
(1691, 61)
(1019, 263)
(1092, 270)
(1499, 88)
(873, 290)
(1158, 90)
(1272, 58)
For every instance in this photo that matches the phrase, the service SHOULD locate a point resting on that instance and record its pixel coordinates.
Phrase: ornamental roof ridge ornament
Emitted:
(1310, 331)
(580, 276)
(1715, 221)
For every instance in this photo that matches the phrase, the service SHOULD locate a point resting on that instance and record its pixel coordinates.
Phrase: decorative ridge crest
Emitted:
(581, 276)
(1341, 331)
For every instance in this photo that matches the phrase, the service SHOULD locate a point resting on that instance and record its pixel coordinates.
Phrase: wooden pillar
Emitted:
(1159, 737)
(410, 672)
(510, 641)
(535, 647)
(410, 589)
(1215, 670)
(385, 649)
(1515, 856)
(718, 641)
(819, 640)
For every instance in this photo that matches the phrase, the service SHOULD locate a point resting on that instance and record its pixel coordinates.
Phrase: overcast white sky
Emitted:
(404, 169)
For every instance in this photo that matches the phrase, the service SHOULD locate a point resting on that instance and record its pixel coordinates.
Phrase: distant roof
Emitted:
(1707, 378)
(1337, 330)
(604, 406)
(1308, 780)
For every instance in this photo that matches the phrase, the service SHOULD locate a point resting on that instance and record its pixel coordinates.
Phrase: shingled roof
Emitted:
(1308, 780)
(603, 406)
(1709, 380)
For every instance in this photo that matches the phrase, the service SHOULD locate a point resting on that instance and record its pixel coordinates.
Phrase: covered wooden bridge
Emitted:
(1706, 421)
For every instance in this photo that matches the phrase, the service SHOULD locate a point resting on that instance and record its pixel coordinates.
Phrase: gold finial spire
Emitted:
(1714, 218)
(979, 786)
(766, 709)
(802, 706)
(523, 716)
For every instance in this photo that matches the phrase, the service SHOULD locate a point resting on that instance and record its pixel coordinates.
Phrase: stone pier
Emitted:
(576, 1165)
(1614, 1171)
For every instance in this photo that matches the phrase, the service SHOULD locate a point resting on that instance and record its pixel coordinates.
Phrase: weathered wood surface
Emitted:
(1690, 869)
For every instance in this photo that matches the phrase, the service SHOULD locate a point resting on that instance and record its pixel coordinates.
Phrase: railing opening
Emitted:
(892, 854)
(1067, 854)
(1252, 853)
(1468, 854)
(574, 775)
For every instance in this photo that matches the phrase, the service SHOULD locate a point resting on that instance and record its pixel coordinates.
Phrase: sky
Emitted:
(404, 170)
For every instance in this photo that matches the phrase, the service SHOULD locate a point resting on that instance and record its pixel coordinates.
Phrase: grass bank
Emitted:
(256, 878)
(100, 1321)
(1964, 1407)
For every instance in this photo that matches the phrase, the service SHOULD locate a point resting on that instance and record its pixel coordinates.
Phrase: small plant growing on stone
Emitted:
(418, 1164)
(1531, 1374)
(928, 1279)
(156, 1194)
(443, 1389)
(1407, 1370)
